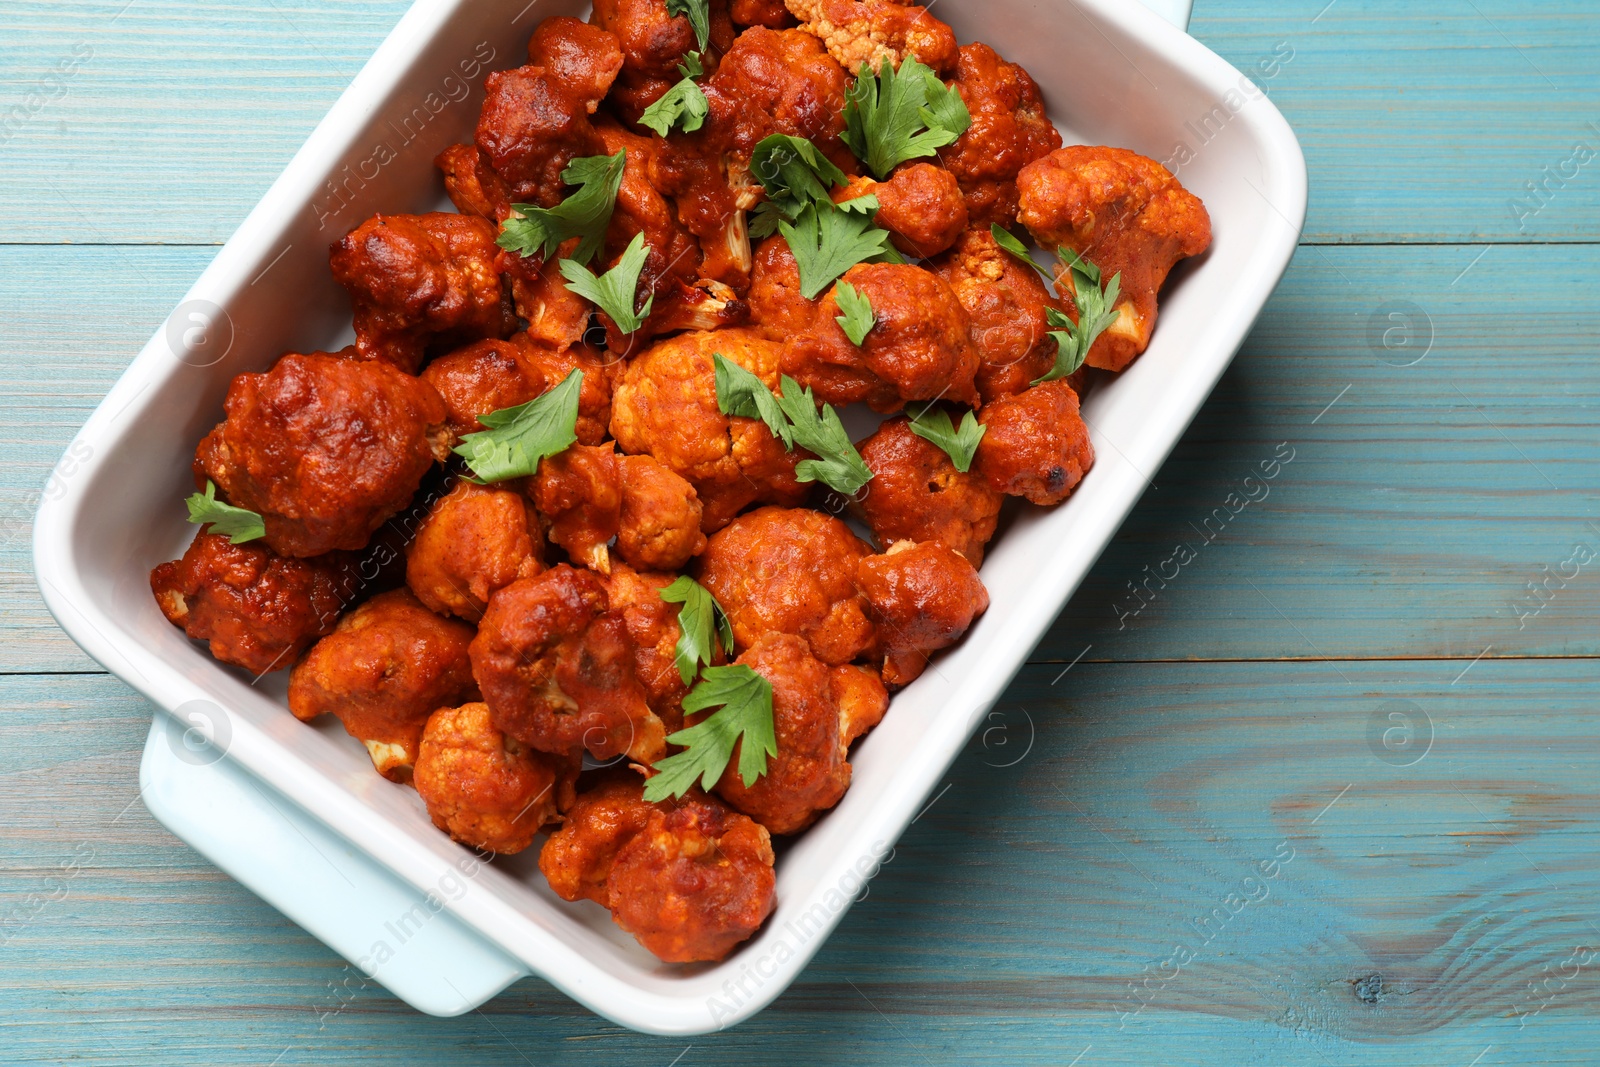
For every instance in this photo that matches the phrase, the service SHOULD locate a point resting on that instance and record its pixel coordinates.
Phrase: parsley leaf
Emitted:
(858, 319)
(741, 393)
(794, 419)
(519, 437)
(238, 524)
(828, 240)
(699, 12)
(893, 116)
(933, 424)
(703, 623)
(1096, 311)
(794, 172)
(838, 465)
(534, 230)
(746, 701)
(1008, 241)
(618, 289)
(683, 105)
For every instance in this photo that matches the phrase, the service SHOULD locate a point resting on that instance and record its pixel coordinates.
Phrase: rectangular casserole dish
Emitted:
(1112, 72)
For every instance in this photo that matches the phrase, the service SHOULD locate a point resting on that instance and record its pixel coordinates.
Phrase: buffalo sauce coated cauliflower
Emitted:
(923, 598)
(474, 540)
(324, 448)
(659, 528)
(792, 571)
(919, 348)
(579, 493)
(920, 205)
(1010, 129)
(1035, 444)
(485, 789)
(810, 773)
(1006, 306)
(689, 879)
(257, 609)
(866, 32)
(1127, 215)
(536, 119)
(419, 281)
(653, 625)
(917, 494)
(666, 406)
(389, 665)
(483, 378)
(556, 667)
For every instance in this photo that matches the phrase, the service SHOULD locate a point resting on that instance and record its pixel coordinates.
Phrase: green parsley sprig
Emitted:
(897, 115)
(585, 214)
(1097, 310)
(237, 524)
(518, 438)
(702, 623)
(684, 105)
(1008, 241)
(699, 12)
(746, 716)
(795, 173)
(829, 239)
(932, 423)
(617, 290)
(858, 318)
(794, 418)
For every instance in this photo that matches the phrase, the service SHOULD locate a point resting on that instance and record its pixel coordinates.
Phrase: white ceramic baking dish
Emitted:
(1113, 73)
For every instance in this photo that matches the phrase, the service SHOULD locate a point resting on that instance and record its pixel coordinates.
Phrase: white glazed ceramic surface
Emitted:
(1113, 73)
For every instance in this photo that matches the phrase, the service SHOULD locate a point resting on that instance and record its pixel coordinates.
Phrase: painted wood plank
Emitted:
(1410, 521)
(1080, 839)
(1421, 122)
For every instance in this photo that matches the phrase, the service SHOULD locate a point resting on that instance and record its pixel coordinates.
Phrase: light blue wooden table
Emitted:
(1354, 684)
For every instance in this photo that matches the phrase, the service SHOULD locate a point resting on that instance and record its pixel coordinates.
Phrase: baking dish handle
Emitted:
(345, 899)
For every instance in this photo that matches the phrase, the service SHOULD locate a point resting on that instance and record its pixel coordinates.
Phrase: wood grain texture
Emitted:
(1440, 911)
(1092, 826)
(1421, 122)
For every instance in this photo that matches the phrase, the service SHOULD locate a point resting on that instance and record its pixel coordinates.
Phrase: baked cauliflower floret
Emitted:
(666, 405)
(810, 773)
(324, 448)
(473, 186)
(918, 495)
(640, 208)
(923, 598)
(653, 625)
(1035, 444)
(866, 32)
(486, 790)
(776, 81)
(920, 205)
(790, 570)
(1009, 130)
(257, 609)
(536, 119)
(389, 665)
(594, 395)
(661, 514)
(557, 317)
(689, 879)
(1006, 304)
(556, 666)
(654, 43)
(1128, 215)
(772, 14)
(919, 348)
(579, 493)
(481, 378)
(474, 540)
(422, 281)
